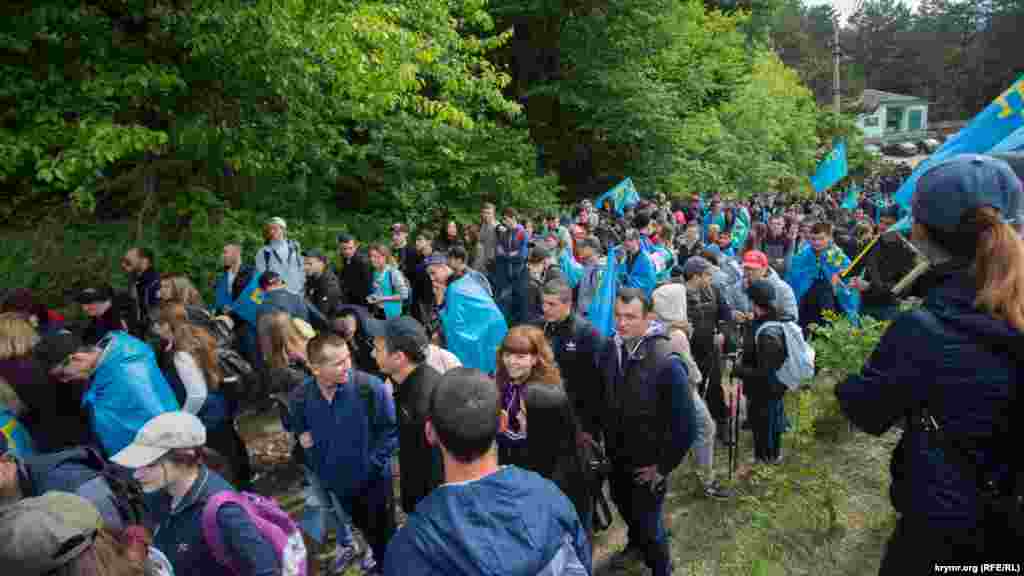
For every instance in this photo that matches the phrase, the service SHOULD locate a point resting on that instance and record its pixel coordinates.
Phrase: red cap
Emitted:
(755, 259)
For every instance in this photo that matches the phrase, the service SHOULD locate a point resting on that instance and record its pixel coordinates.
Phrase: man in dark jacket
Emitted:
(139, 264)
(764, 352)
(706, 308)
(778, 245)
(322, 287)
(400, 345)
(577, 347)
(78, 471)
(406, 255)
(649, 423)
(353, 271)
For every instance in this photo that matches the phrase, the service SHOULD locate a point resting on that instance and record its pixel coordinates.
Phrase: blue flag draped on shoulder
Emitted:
(602, 307)
(247, 306)
(622, 196)
(473, 325)
(852, 198)
(832, 169)
(1000, 121)
(807, 266)
(1013, 143)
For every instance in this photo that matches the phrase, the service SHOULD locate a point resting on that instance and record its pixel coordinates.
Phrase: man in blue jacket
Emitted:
(484, 519)
(347, 426)
(649, 423)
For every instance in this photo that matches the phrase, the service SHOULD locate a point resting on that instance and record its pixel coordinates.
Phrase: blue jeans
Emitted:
(642, 510)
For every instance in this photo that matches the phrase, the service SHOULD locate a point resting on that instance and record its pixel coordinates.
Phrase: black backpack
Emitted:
(126, 493)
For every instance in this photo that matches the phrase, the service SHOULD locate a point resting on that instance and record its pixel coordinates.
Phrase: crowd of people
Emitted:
(505, 371)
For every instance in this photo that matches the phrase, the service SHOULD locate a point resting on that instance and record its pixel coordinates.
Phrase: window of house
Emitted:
(871, 121)
(894, 119)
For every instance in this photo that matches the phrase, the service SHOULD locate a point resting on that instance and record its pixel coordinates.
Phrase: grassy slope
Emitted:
(779, 523)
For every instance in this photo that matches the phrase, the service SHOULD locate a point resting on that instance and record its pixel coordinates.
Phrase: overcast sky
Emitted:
(846, 7)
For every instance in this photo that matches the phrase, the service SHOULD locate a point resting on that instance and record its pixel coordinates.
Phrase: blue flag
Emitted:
(852, 198)
(1013, 143)
(602, 307)
(832, 169)
(248, 304)
(1000, 121)
(622, 196)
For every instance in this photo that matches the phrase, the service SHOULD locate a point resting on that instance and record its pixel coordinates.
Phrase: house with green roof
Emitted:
(887, 118)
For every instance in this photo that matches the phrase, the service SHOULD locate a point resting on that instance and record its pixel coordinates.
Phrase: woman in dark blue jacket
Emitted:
(948, 370)
(167, 459)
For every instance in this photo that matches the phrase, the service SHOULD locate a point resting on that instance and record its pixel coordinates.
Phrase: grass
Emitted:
(824, 511)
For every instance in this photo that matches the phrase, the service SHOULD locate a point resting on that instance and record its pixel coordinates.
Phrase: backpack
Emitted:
(799, 364)
(270, 520)
(239, 378)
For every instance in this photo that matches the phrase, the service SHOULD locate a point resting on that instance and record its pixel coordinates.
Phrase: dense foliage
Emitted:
(292, 107)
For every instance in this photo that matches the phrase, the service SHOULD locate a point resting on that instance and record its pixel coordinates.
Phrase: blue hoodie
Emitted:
(510, 523)
(354, 435)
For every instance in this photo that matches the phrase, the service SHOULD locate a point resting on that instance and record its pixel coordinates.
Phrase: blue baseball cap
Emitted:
(948, 189)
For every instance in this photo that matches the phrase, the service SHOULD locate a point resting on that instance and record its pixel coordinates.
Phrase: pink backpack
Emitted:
(273, 523)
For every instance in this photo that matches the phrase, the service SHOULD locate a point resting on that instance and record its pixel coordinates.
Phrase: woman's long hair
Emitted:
(195, 340)
(280, 340)
(17, 335)
(997, 253)
(529, 340)
(112, 554)
(182, 290)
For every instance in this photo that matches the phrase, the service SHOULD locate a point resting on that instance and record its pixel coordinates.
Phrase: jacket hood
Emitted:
(483, 527)
(670, 302)
(951, 298)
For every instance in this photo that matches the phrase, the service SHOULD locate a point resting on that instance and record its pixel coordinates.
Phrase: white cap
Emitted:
(159, 436)
(278, 221)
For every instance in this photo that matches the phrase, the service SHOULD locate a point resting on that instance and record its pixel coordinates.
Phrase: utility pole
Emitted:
(837, 54)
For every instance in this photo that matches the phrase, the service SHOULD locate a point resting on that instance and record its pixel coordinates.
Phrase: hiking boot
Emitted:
(625, 558)
(345, 556)
(715, 491)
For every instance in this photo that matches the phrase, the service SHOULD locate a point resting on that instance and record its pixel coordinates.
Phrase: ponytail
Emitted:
(999, 263)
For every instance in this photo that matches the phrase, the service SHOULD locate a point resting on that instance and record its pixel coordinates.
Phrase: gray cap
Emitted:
(696, 265)
(948, 189)
(40, 535)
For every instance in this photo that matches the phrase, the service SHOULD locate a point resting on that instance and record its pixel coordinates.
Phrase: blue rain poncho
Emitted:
(602, 307)
(126, 391)
(473, 325)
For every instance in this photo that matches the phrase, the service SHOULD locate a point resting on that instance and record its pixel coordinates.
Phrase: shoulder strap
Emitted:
(211, 532)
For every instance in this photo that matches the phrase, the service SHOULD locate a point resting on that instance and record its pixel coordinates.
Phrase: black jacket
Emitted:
(421, 469)
(355, 277)
(705, 309)
(324, 292)
(577, 346)
(147, 288)
(761, 359)
(242, 279)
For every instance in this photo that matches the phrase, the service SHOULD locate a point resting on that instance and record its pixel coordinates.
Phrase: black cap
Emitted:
(762, 293)
(402, 331)
(314, 253)
(93, 295)
(344, 238)
(539, 253)
(268, 278)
